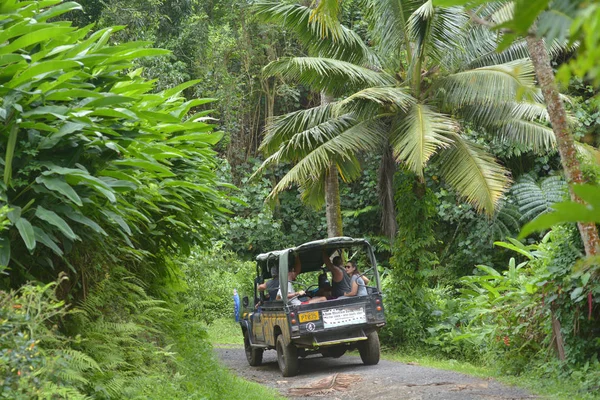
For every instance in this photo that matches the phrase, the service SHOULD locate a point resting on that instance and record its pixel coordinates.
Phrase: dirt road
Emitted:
(386, 381)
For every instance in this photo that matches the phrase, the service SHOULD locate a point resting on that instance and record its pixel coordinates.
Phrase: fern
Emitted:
(536, 197)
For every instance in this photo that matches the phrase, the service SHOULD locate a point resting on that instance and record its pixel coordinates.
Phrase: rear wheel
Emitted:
(254, 356)
(287, 357)
(369, 349)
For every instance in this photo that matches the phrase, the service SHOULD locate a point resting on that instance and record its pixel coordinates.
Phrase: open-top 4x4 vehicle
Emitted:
(329, 327)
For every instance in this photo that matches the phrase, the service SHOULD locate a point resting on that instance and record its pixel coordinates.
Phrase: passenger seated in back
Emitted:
(358, 280)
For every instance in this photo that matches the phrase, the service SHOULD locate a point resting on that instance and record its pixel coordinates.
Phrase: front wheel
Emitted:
(287, 357)
(254, 356)
(369, 349)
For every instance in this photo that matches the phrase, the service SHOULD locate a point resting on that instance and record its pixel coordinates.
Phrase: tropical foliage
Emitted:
(122, 235)
(91, 154)
(428, 78)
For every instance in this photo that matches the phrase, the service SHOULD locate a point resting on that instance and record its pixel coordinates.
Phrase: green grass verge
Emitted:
(544, 385)
(199, 374)
(224, 332)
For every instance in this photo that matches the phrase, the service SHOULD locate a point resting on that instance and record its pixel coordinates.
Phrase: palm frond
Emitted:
(536, 197)
(419, 134)
(489, 85)
(540, 138)
(335, 77)
(280, 129)
(419, 23)
(474, 174)
(327, 13)
(370, 101)
(364, 136)
(389, 24)
(323, 38)
(303, 143)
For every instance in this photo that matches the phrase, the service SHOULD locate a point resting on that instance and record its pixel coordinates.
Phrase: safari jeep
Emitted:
(329, 327)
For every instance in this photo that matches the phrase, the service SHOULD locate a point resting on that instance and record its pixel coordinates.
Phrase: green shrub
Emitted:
(211, 278)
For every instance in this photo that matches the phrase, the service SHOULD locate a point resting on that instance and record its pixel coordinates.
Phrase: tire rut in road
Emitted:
(386, 381)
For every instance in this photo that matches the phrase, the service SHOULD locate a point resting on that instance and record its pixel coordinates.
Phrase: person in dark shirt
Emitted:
(341, 281)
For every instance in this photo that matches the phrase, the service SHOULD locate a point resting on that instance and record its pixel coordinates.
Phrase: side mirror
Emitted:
(245, 301)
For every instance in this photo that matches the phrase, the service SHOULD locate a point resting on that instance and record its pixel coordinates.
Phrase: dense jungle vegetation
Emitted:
(150, 149)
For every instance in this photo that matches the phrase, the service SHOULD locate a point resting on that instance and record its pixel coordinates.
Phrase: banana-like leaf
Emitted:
(46, 240)
(27, 234)
(4, 251)
(60, 186)
(54, 219)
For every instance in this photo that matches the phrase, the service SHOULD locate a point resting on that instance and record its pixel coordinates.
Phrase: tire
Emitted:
(369, 349)
(287, 357)
(333, 351)
(254, 356)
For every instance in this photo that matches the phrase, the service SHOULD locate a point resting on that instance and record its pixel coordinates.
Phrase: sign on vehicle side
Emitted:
(346, 316)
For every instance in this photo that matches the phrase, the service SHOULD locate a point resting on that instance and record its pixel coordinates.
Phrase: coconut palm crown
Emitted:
(430, 74)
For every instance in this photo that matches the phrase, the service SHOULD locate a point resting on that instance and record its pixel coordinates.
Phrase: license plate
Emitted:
(309, 316)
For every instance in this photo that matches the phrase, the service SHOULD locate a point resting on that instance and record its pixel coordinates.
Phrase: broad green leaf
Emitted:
(515, 248)
(10, 151)
(576, 293)
(489, 270)
(4, 251)
(44, 239)
(26, 232)
(77, 217)
(42, 69)
(211, 138)
(58, 10)
(52, 218)
(32, 38)
(188, 185)
(119, 220)
(589, 193)
(109, 101)
(145, 165)
(58, 185)
(180, 88)
(6, 59)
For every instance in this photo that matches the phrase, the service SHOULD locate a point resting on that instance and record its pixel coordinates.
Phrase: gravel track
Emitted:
(386, 381)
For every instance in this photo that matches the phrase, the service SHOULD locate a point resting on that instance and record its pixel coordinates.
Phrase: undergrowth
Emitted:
(119, 343)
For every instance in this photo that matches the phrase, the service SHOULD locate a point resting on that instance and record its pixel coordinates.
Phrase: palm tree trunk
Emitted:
(332, 203)
(564, 139)
(568, 157)
(333, 207)
(385, 187)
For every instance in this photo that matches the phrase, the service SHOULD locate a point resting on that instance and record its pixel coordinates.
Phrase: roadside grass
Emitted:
(544, 385)
(225, 332)
(201, 376)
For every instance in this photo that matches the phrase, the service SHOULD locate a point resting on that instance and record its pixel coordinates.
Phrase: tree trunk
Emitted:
(333, 207)
(568, 156)
(564, 139)
(332, 203)
(385, 186)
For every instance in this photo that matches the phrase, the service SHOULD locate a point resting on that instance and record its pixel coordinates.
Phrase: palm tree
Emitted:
(431, 76)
